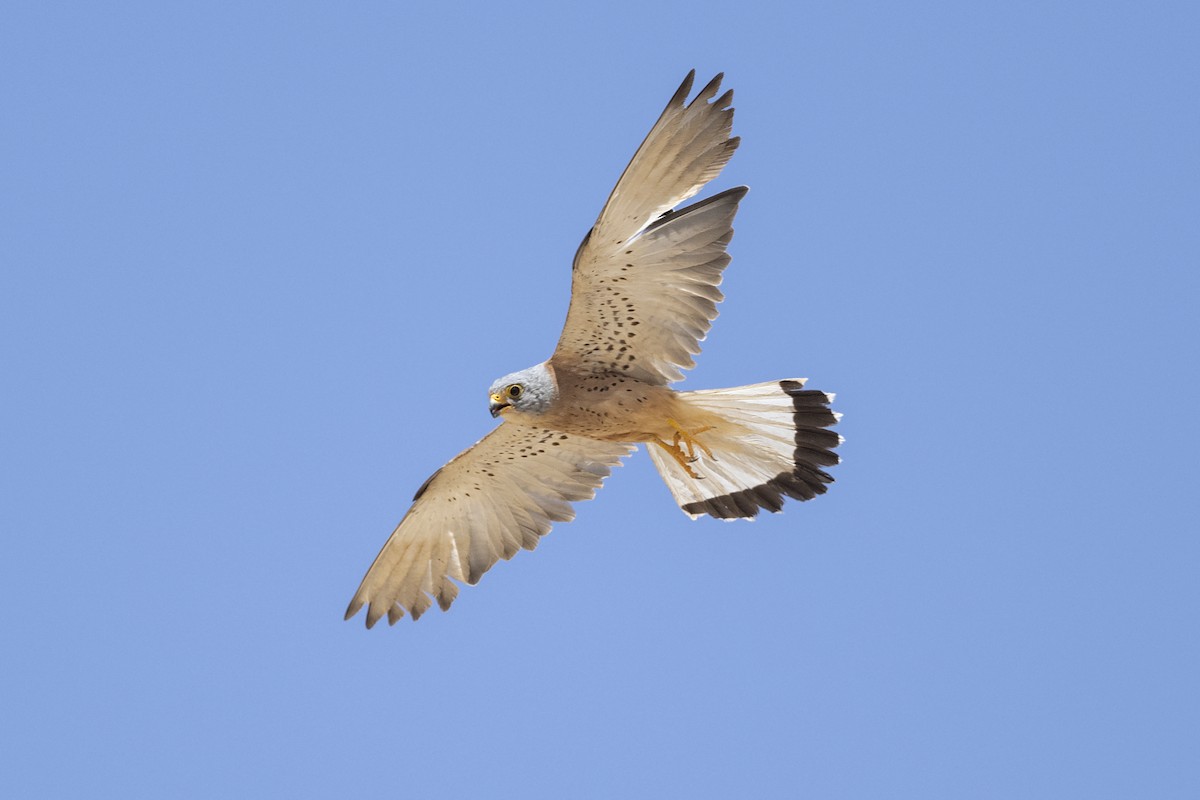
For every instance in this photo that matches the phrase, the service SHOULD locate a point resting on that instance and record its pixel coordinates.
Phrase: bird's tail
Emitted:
(766, 442)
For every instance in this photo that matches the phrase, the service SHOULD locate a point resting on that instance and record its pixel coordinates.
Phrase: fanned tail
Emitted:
(773, 444)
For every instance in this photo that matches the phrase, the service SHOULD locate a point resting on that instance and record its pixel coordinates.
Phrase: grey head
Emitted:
(530, 391)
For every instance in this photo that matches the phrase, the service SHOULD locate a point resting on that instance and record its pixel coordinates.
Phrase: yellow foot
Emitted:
(689, 438)
(685, 458)
(676, 452)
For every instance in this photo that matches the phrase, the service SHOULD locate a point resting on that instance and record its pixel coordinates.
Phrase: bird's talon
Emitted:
(689, 438)
(683, 447)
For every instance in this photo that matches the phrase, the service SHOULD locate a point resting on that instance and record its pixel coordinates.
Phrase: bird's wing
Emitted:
(490, 501)
(644, 289)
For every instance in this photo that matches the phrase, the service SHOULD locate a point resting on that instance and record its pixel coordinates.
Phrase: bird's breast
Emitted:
(612, 408)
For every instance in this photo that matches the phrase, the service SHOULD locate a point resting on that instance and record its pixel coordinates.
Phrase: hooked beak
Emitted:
(497, 404)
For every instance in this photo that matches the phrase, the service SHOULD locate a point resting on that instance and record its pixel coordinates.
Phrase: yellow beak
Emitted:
(497, 404)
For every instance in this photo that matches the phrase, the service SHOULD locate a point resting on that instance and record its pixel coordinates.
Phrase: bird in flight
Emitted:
(643, 296)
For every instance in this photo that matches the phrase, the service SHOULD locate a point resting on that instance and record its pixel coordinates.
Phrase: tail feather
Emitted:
(770, 442)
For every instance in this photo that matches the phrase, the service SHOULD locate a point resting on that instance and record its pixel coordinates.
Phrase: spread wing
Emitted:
(644, 288)
(487, 503)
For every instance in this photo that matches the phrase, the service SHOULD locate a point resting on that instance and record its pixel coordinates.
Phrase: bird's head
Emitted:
(530, 391)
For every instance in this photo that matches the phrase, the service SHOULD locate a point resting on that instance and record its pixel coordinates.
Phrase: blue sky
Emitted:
(260, 262)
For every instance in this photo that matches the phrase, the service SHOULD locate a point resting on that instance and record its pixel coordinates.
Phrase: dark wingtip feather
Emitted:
(372, 618)
(683, 91)
(446, 595)
(709, 89)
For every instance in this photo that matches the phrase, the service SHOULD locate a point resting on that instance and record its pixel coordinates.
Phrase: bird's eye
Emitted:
(514, 391)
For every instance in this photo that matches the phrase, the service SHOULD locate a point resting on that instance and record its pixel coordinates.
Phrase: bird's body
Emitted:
(611, 407)
(644, 294)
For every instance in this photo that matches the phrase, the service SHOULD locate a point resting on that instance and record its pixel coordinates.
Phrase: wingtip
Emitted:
(737, 192)
(710, 89)
(684, 90)
(374, 613)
